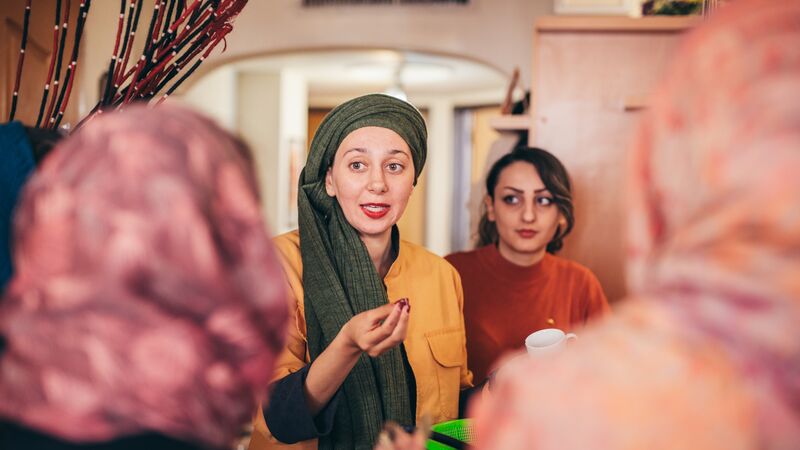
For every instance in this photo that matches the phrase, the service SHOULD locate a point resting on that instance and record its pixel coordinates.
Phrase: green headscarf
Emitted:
(340, 279)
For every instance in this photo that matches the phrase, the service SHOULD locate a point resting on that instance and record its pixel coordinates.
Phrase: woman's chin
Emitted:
(374, 230)
(523, 249)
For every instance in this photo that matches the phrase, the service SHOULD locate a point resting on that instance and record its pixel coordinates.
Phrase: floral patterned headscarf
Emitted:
(147, 296)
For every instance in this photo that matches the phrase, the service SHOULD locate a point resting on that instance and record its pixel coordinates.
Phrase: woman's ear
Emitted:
(329, 183)
(489, 202)
(562, 225)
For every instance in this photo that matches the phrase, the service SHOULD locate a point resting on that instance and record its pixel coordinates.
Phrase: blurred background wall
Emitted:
(287, 64)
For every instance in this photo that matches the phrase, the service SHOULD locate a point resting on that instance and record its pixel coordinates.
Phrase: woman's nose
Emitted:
(377, 182)
(529, 213)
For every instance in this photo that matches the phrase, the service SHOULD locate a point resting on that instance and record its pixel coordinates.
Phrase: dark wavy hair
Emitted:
(555, 179)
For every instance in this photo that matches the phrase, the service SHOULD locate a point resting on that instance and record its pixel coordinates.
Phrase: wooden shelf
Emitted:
(605, 23)
(511, 123)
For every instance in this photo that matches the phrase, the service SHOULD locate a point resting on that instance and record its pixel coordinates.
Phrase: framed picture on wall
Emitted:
(609, 7)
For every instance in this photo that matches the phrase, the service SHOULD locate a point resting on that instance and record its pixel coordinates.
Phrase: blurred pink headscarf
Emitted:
(147, 296)
(708, 354)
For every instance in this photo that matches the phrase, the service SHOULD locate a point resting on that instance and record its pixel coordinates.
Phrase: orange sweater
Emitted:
(504, 303)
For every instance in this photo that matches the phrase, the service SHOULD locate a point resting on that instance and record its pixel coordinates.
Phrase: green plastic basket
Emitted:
(460, 429)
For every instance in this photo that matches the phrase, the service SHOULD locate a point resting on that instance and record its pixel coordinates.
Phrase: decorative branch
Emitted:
(52, 66)
(21, 61)
(180, 36)
(63, 99)
(112, 64)
(128, 42)
(57, 75)
(196, 30)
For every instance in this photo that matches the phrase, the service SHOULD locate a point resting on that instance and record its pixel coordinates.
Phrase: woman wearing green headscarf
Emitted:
(356, 355)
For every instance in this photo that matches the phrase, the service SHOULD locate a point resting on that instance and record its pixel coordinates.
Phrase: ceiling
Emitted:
(333, 75)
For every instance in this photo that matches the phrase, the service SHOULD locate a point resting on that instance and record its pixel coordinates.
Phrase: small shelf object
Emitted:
(602, 7)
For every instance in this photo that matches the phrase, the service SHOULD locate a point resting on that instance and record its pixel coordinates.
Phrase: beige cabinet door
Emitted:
(591, 77)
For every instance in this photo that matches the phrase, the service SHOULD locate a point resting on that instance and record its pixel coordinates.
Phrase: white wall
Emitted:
(497, 32)
(216, 95)
(261, 92)
(439, 201)
(293, 129)
(270, 112)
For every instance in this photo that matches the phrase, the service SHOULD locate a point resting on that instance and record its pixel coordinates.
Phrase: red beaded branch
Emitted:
(63, 99)
(112, 64)
(179, 38)
(21, 61)
(57, 75)
(52, 66)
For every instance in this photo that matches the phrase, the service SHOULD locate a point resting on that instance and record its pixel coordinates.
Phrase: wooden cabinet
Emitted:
(591, 79)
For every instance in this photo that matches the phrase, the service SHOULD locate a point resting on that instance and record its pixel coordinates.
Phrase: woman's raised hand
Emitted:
(377, 330)
(373, 332)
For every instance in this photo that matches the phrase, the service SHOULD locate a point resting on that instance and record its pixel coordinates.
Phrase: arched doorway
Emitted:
(276, 101)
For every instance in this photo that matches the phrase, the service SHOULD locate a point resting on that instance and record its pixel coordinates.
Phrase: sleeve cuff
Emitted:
(287, 415)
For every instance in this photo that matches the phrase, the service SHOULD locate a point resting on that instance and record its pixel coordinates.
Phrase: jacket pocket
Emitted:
(447, 349)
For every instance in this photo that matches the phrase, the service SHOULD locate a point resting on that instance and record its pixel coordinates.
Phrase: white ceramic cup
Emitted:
(547, 341)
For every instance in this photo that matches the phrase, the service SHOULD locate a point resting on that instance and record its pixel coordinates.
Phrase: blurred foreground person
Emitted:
(707, 355)
(148, 305)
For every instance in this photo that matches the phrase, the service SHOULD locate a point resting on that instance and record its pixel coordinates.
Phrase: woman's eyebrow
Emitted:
(355, 149)
(520, 191)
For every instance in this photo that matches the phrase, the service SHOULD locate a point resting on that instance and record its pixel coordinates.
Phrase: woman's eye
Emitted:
(356, 165)
(510, 199)
(395, 167)
(544, 201)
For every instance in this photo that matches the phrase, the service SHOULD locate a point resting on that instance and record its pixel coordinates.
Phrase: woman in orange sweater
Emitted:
(513, 282)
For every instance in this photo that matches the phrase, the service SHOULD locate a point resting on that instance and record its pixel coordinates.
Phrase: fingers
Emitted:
(376, 315)
(395, 336)
(401, 328)
(379, 329)
(382, 332)
(394, 318)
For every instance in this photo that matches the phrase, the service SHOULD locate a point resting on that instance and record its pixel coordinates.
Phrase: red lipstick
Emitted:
(375, 210)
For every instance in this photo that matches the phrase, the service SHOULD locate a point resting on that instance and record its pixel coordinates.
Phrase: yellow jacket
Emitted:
(435, 341)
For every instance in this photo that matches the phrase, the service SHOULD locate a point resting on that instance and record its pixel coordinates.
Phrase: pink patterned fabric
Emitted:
(708, 355)
(147, 297)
